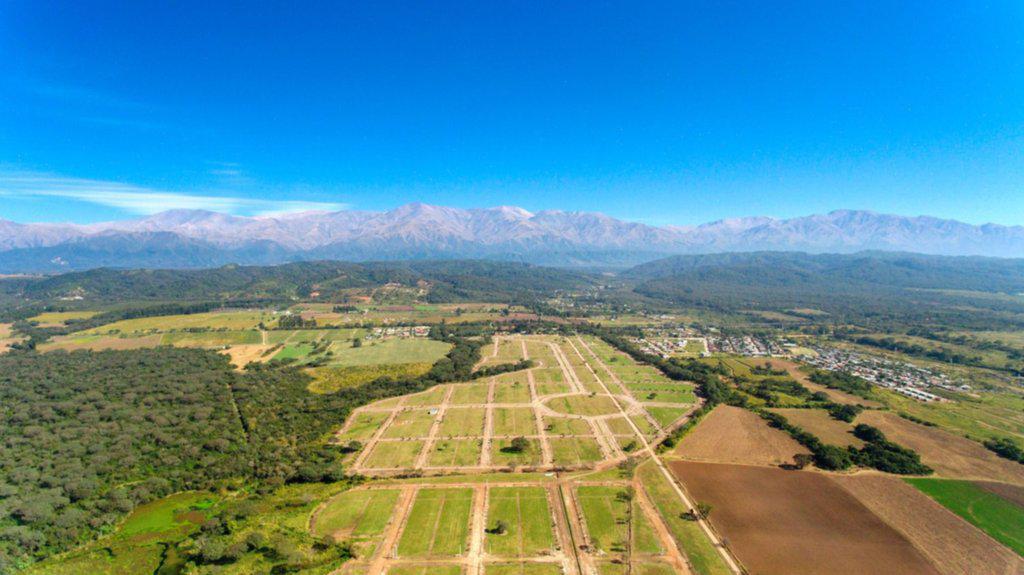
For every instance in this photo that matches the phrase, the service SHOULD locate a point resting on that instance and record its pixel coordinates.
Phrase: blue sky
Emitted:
(663, 112)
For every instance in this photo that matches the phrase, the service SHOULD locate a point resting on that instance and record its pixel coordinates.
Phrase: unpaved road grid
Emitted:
(575, 444)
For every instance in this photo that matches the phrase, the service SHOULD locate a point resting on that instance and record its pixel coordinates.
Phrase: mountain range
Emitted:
(197, 238)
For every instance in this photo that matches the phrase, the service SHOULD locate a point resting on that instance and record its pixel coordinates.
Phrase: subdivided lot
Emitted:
(665, 415)
(509, 351)
(359, 515)
(524, 514)
(470, 394)
(517, 392)
(394, 454)
(949, 455)
(783, 522)
(455, 453)
(541, 353)
(1002, 519)
(431, 569)
(513, 421)
(566, 426)
(953, 546)
(822, 425)
(503, 454)
(615, 524)
(362, 426)
(438, 524)
(462, 422)
(574, 450)
(523, 569)
(734, 435)
(588, 405)
(635, 568)
(397, 350)
(411, 423)
(663, 392)
(432, 396)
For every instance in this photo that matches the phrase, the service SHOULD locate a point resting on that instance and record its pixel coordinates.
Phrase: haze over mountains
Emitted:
(195, 238)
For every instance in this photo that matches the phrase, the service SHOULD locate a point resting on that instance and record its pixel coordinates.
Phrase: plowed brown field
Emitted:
(954, 546)
(784, 522)
(734, 435)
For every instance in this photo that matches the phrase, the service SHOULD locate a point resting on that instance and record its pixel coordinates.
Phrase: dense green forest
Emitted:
(87, 436)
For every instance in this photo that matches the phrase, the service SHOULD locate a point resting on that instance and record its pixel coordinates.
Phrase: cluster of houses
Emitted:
(901, 377)
(750, 345)
(398, 331)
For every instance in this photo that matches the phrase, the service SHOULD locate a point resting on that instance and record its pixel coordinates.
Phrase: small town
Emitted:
(901, 377)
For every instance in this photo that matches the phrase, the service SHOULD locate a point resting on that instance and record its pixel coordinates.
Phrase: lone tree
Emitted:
(697, 513)
(519, 445)
(500, 528)
(357, 342)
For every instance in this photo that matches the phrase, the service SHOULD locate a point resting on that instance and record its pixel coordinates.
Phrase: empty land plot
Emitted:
(438, 524)
(59, 318)
(360, 514)
(541, 353)
(574, 450)
(1000, 518)
(523, 569)
(665, 416)
(663, 392)
(611, 517)
(455, 453)
(703, 556)
(949, 455)
(331, 379)
(362, 426)
(462, 422)
(470, 394)
(412, 423)
(588, 405)
(397, 350)
(513, 421)
(645, 426)
(211, 338)
(797, 522)
(100, 342)
(517, 392)
(951, 544)
(394, 454)
(525, 514)
(734, 435)
(566, 426)
(433, 396)
(635, 568)
(231, 320)
(503, 454)
(822, 425)
(432, 569)
(296, 351)
(620, 426)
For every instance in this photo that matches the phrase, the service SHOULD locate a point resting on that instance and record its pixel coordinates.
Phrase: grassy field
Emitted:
(229, 320)
(211, 338)
(575, 450)
(438, 524)
(411, 350)
(688, 535)
(363, 426)
(502, 455)
(611, 516)
(470, 393)
(583, 405)
(566, 426)
(511, 393)
(665, 416)
(455, 452)
(360, 514)
(523, 569)
(462, 422)
(394, 454)
(1001, 519)
(413, 423)
(433, 396)
(525, 511)
(425, 570)
(331, 379)
(514, 421)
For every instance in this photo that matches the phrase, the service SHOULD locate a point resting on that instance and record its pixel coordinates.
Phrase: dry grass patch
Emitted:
(822, 425)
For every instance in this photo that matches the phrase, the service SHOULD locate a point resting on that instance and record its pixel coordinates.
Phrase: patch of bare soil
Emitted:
(948, 454)
(953, 545)
(783, 522)
(734, 435)
(1014, 493)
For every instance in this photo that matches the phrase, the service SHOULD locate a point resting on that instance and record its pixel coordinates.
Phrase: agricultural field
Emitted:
(734, 435)
(331, 379)
(822, 425)
(60, 318)
(949, 455)
(782, 522)
(227, 320)
(1001, 518)
(389, 351)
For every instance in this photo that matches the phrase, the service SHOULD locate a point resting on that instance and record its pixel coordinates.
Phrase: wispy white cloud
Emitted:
(145, 201)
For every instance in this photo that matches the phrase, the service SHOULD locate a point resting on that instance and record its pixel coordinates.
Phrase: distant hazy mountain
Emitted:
(195, 238)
